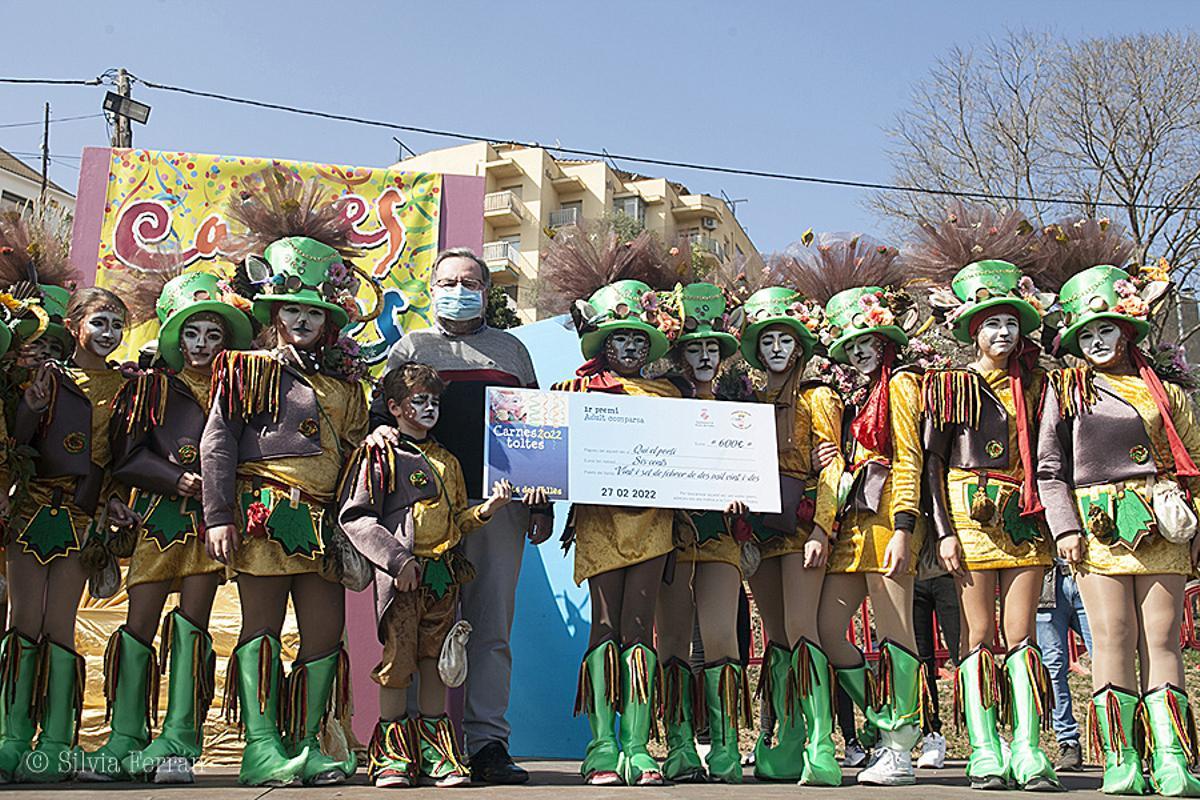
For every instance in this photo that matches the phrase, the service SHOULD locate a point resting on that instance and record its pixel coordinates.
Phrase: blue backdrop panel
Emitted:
(550, 631)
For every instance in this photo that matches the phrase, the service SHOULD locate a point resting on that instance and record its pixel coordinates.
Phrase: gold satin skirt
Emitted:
(987, 545)
(612, 537)
(863, 539)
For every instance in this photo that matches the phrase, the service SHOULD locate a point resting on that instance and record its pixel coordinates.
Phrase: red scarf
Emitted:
(1184, 466)
(601, 379)
(1025, 358)
(872, 426)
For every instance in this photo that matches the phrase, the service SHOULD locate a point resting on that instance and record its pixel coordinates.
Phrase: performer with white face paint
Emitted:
(1117, 446)
(708, 574)
(64, 414)
(779, 338)
(158, 421)
(980, 443)
(621, 552)
(282, 423)
(879, 532)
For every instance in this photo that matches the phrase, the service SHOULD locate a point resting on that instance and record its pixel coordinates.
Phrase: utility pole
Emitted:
(45, 154)
(122, 127)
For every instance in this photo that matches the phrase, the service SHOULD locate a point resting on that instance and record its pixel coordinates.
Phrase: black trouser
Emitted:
(929, 596)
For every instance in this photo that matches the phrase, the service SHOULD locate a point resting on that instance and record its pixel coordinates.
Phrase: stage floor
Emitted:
(548, 779)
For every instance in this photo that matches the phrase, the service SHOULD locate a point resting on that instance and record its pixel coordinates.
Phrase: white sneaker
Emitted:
(855, 755)
(891, 768)
(933, 752)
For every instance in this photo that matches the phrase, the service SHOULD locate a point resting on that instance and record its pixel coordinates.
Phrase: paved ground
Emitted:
(549, 779)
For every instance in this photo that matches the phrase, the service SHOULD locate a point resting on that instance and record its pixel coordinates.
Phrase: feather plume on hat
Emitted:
(275, 204)
(832, 262)
(35, 247)
(966, 234)
(140, 287)
(1074, 244)
(581, 259)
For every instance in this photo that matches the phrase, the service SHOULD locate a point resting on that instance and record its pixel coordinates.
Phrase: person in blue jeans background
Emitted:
(1060, 611)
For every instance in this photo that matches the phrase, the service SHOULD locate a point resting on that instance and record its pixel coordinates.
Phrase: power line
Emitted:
(604, 155)
(52, 121)
(53, 81)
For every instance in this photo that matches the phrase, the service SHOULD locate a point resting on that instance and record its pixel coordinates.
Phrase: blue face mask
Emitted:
(458, 303)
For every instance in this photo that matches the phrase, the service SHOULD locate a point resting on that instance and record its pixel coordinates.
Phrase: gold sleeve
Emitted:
(1189, 432)
(358, 418)
(466, 517)
(907, 455)
(825, 411)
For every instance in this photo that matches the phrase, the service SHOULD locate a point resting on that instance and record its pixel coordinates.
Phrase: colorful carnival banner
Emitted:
(158, 201)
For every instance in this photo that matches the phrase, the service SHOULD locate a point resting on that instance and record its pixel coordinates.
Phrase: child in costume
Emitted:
(707, 576)
(282, 424)
(879, 531)
(64, 511)
(980, 443)
(157, 424)
(1117, 471)
(621, 552)
(779, 337)
(419, 567)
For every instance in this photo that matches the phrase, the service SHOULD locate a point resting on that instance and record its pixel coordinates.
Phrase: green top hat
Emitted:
(857, 312)
(189, 294)
(619, 306)
(54, 303)
(702, 308)
(1095, 294)
(778, 305)
(987, 284)
(298, 269)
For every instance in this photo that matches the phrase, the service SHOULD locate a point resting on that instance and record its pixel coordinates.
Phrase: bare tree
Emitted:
(1112, 120)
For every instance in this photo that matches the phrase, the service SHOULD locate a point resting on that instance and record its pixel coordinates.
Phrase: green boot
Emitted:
(311, 690)
(815, 688)
(784, 760)
(394, 757)
(1031, 701)
(898, 714)
(441, 761)
(598, 697)
(1171, 740)
(257, 684)
(726, 697)
(857, 681)
(683, 762)
(189, 694)
(58, 702)
(1115, 712)
(130, 691)
(977, 702)
(18, 674)
(639, 668)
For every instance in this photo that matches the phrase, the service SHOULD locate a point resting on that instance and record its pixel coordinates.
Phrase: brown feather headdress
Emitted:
(140, 287)
(833, 262)
(581, 259)
(968, 233)
(1074, 244)
(275, 204)
(35, 246)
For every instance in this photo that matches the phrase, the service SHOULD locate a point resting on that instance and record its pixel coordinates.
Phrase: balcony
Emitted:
(565, 216)
(503, 168)
(697, 206)
(504, 262)
(708, 246)
(503, 208)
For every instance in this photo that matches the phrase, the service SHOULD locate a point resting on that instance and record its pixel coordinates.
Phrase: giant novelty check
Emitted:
(633, 451)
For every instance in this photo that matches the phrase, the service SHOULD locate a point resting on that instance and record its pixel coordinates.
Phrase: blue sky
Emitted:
(799, 87)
